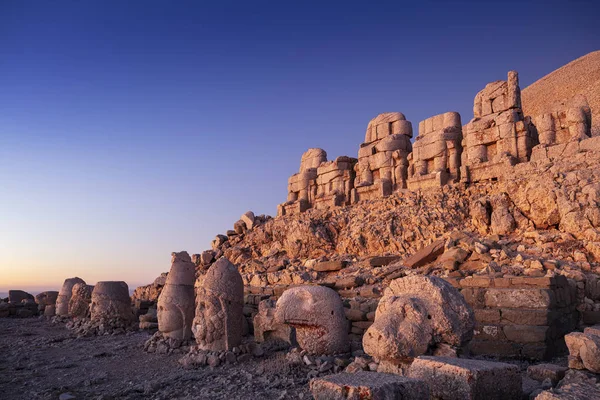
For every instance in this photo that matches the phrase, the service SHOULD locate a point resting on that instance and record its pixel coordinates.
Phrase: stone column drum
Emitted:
(64, 296)
(218, 322)
(176, 301)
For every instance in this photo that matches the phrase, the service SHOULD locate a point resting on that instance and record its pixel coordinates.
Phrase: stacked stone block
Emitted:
(498, 136)
(435, 159)
(520, 316)
(334, 182)
(383, 157)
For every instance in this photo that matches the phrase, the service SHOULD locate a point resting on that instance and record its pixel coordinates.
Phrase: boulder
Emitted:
(584, 351)
(17, 296)
(248, 218)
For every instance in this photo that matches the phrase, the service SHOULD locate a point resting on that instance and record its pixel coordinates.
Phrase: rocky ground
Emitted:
(41, 360)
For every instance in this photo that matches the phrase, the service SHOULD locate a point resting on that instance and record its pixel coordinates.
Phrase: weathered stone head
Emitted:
(218, 322)
(176, 301)
(64, 296)
(317, 313)
(47, 298)
(81, 297)
(110, 300)
(414, 316)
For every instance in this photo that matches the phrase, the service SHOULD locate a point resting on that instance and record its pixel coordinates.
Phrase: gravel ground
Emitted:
(45, 361)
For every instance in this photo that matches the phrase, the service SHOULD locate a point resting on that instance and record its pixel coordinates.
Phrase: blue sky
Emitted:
(132, 129)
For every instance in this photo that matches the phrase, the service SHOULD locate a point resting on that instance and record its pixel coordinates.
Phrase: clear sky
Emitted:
(131, 129)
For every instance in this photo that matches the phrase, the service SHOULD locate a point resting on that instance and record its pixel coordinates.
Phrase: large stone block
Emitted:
(519, 298)
(368, 385)
(64, 296)
(463, 379)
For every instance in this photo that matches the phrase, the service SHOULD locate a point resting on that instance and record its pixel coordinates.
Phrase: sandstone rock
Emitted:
(47, 298)
(368, 385)
(328, 266)
(64, 296)
(267, 329)
(540, 372)
(463, 379)
(248, 218)
(426, 254)
(110, 300)
(81, 297)
(17, 296)
(218, 320)
(317, 314)
(584, 351)
(381, 261)
(175, 312)
(414, 315)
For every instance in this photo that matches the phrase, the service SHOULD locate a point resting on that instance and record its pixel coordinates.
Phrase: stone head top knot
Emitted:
(223, 280)
(182, 270)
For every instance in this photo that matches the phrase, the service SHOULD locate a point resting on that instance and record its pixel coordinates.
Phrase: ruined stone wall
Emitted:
(525, 317)
(520, 316)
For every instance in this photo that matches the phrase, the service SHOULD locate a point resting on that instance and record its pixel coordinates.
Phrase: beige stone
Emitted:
(368, 385)
(267, 329)
(452, 378)
(317, 314)
(110, 300)
(218, 320)
(584, 349)
(81, 297)
(175, 308)
(415, 314)
(64, 296)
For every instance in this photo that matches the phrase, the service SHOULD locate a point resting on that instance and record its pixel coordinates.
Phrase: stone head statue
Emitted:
(217, 325)
(81, 297)
(64, 296)
(110, 300)
(415, 314)
(175, 309)
(317, 313)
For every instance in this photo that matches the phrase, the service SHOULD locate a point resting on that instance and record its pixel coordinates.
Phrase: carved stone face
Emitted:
(414, 316)
(218, 321)
(209, 324)
(317, 314)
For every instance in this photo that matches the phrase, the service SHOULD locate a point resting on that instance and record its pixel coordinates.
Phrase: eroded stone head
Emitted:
(175, 311)
(317, 313)
(110, 300)
(414, 316)
(81, 297)
(64, 296)
(218, 320)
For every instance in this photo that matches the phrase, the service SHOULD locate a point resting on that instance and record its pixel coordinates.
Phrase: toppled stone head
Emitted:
(110, 300)
(218, 322)
(317, 313)
(415, 315)
(64, 296)
(176, 301)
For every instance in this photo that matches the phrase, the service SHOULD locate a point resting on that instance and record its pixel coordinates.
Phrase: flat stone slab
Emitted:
(462, 379)
(368, 386)
(540, 372)
(572, 391)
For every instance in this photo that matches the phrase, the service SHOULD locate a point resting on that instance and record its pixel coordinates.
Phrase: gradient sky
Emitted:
(131, 129)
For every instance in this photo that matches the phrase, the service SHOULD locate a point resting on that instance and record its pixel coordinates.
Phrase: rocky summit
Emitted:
(442, 261)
